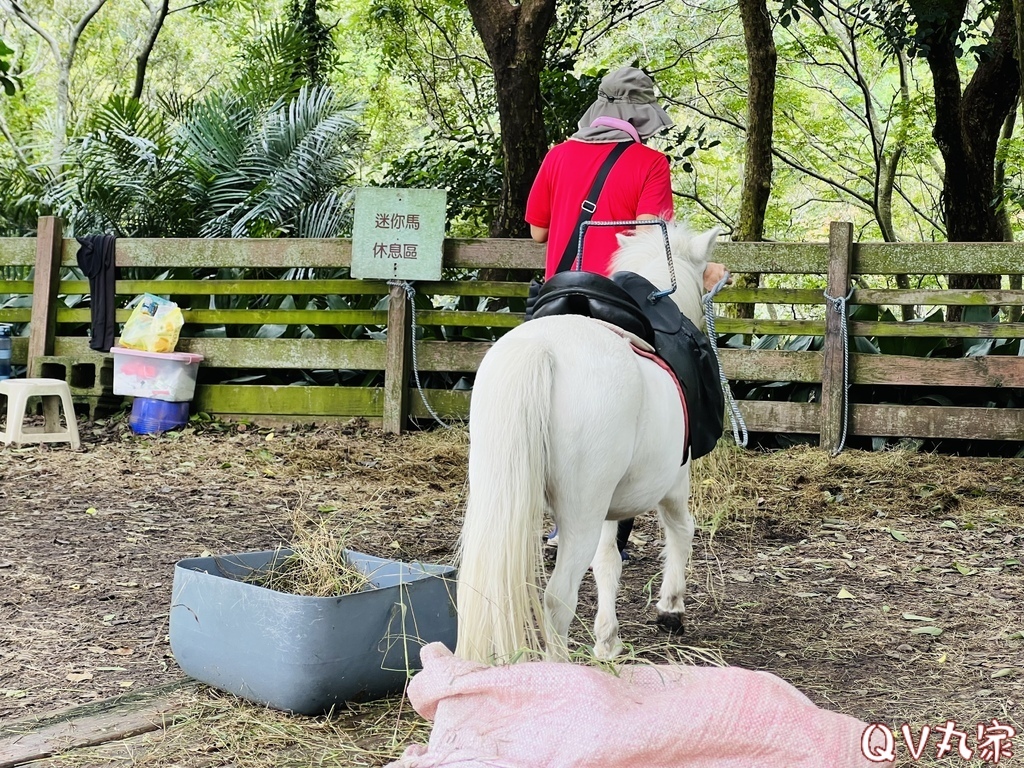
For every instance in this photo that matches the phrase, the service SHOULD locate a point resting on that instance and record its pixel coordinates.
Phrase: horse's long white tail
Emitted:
(500, 562)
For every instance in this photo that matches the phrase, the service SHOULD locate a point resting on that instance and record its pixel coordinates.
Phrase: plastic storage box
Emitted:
(307, 654)
(151, 416)
(168, 376)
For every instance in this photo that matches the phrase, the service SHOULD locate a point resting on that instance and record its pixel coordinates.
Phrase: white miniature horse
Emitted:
(567, 419)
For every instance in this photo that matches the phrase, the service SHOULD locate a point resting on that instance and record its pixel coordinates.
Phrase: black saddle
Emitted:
(592, 295)
(624, 300)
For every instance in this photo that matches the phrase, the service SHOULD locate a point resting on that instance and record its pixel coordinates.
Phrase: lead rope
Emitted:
(410, 292)
(839, 305)
(735, 417)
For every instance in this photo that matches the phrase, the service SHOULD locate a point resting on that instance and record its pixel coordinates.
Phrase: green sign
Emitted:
(398, 234)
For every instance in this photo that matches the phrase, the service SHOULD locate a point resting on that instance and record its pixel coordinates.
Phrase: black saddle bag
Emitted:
(687, 350)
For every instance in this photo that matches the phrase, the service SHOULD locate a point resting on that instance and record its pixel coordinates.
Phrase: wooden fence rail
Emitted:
(269, 337)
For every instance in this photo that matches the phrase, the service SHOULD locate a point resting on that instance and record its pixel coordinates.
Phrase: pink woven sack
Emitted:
(560, 715)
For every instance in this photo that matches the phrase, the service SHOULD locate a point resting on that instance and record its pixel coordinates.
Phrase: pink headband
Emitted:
(622, 125)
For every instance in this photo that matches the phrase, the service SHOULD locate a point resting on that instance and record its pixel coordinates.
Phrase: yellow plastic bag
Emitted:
(154, 325)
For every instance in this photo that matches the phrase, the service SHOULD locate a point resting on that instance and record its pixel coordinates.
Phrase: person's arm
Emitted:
(538, 204)
(714, 272)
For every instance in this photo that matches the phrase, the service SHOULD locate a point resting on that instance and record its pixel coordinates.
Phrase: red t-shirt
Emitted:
(639, 183)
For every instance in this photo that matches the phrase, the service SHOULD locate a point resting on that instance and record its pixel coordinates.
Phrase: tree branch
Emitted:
(715, 213)
(786, 159)
(158, 14)
(83, 22)
(12, 7)
(19, 153)
(190, 6)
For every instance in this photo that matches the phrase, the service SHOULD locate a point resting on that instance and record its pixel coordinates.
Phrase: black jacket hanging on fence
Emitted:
(96, 260)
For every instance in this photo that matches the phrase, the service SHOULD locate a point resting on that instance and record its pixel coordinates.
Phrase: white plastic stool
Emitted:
(18, 392)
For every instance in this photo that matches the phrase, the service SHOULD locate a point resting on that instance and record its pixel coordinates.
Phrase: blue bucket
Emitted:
(151, 416)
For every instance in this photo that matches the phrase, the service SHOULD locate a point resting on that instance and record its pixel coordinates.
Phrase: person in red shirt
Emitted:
(639, 185)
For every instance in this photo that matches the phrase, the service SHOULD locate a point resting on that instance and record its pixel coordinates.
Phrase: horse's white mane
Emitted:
(643, 252)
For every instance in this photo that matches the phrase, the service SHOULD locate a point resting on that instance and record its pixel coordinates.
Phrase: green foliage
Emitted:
(467, 167)
(274, 64)
(681, 143)
(264, 155)
(319, 55)
(22, 192)
(912, 26)
(274, 171)
(126, 176)
(8, 80)
(789, 10)
(433, 46)
(566, 98)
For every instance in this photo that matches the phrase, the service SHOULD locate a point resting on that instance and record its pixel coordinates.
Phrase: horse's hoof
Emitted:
(672, 622)
(606, 652)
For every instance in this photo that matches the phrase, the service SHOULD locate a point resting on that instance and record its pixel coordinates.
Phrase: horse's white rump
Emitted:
(567, 419)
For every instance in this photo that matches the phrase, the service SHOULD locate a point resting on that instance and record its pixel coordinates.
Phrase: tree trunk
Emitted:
(64, 64)
(1000, 176)
(513, 36)
(757, 166)
(967, 128)
(523, 144)
(885, 185)
(157, 16)
(1017, 313)
(60, 123)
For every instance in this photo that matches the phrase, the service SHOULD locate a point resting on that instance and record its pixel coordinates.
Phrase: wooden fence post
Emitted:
(49, 244)
(397, 361)
(833, 388)
(49, 248)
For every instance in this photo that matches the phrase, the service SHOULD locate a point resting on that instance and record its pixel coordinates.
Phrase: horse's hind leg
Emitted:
(578, 539)
(674, 511)
(607, 567)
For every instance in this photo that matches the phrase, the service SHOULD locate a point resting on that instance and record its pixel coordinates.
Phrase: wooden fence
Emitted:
(373, 342)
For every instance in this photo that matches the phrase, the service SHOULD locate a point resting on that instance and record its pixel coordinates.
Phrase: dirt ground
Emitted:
(888, 586)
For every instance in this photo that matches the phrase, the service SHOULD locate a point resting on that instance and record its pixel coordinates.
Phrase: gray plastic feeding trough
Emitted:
(306, 654)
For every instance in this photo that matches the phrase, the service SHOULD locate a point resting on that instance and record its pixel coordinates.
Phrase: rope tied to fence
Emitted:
(735, 417)
(410, 293)
(838, 304)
